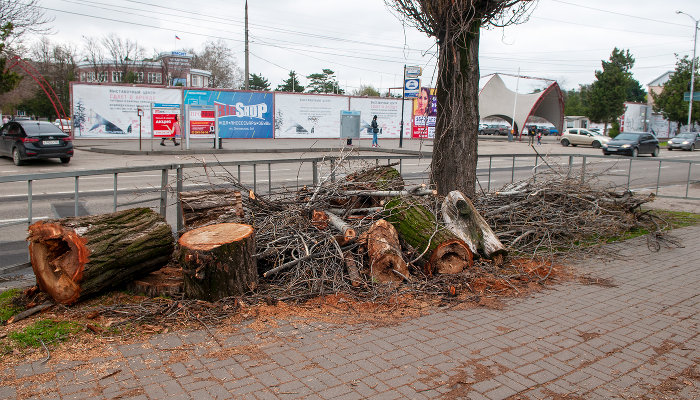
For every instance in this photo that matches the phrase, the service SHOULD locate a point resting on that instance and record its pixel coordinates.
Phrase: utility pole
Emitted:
(692, 70)
(247, 54)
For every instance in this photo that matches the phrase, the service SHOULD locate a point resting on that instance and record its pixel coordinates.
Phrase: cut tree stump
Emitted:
(386, 262)
(442, 251)
(217, 261)
(462, 219)
(77, 257)
(166, 281)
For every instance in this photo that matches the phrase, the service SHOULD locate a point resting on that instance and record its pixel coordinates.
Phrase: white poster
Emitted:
(308, 116)
(111, 111)
(388, 112)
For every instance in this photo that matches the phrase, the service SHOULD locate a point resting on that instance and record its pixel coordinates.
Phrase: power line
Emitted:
(615, 13)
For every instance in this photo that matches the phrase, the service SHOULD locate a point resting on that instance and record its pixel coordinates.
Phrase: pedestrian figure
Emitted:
(174, 132)
(539, 137)
(375, 131)
(530, 136)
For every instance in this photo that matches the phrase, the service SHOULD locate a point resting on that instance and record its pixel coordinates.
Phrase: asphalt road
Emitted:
(54, 198)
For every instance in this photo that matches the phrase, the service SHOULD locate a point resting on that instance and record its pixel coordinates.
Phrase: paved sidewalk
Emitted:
(633, 334)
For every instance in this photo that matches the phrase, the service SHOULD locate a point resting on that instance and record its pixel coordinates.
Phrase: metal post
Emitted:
(332, 169)
(687, 183)
(692, 70)
(583, 170)
(269, 178)
(29, 201)
(255, 178)
(658, 179)
(571, 166)
(314, 171)
(239, 173)
(512, 172)
(114, 194)
(403, 104)
(400, 166)
(629, 175)
(178, 190)
(163, 192)
(75, 212)
(534, 172)
(488, 184)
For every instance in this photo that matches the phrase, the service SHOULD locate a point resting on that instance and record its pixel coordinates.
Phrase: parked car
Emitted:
(64, 125)
(495, 129)
(26, 140)
(580, 136)
(553, 131)
(482, 126)
(633, 144)
(684, 141)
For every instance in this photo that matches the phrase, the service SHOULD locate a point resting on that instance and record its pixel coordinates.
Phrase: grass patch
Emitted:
(10, 304)
(674, 219)
(46, 330)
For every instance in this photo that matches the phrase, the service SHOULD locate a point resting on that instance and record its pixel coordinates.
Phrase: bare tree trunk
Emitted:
(455, 144)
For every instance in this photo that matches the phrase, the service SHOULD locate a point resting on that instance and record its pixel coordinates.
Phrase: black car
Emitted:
(27, 140)
(632, 143)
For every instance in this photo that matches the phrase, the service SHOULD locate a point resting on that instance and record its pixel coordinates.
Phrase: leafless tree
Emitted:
(456, 25)
(25, 17)
(57, 64)
(123, 53)
(93, 54)
(218, 58)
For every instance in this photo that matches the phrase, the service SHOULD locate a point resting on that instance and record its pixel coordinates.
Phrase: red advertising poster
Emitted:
(424, 114)
(202, 123)
(163, 120)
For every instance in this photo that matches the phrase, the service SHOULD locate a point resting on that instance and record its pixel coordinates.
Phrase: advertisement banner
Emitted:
(240, 114)
(201, 122)
(164, 117)
(424, 114)
(109, 111)
(388, 112)
(308, 116)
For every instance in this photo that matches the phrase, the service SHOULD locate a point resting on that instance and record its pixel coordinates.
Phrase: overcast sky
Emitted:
(365, 43)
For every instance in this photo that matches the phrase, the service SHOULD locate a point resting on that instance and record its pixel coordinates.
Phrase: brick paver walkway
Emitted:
(634, 334)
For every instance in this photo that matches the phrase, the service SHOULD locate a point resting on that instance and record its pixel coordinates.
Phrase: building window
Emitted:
(102, 77)
(155, 77)
(117, 76)
(195, 81)
(139, 77)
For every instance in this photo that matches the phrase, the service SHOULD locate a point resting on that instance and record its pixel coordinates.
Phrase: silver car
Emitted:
(684, 141)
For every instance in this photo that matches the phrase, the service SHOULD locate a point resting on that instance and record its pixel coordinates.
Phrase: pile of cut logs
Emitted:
(367, 229)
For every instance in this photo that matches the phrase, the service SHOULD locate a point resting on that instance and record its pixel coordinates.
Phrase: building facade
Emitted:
(168, 69)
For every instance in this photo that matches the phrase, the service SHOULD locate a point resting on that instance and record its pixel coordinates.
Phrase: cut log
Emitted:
(462, 219)
(346, 230)
(205, 207)
(441, 251)
(77, 257)
(386, 261)
(353, 271)
(217, 261)
(166, 281)
(379, 178)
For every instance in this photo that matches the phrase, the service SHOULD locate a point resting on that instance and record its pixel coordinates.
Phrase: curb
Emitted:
(245, 151)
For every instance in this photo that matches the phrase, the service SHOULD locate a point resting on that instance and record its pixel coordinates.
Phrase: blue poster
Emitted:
(240, 114)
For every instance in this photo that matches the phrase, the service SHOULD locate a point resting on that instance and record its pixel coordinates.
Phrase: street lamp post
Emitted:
(692, 69)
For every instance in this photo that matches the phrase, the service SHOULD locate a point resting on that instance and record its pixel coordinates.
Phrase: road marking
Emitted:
(2, 221)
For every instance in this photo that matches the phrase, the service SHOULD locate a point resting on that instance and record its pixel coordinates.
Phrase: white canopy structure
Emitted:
(496, 100)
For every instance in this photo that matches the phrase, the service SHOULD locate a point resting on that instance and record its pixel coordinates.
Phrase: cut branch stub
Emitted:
(217, 261)
(76, 257)
(442, 251)
(463, 219)
(384, 253)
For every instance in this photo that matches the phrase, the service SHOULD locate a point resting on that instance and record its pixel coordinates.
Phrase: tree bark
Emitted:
(453, 166)
(386, 261)
(380, 178)
(77, 257)
(217, 261)
(465, 222)
(442, 251)
(205, 207)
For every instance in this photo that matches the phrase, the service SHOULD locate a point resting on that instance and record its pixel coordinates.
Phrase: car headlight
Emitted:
(626, 146)
(605, 145)
(686, 142)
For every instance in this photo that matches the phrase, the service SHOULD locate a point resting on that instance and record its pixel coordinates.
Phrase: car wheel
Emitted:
(17, 156)
(635, 152)
(596, 144)
(65, 160)
(606, 154)
(481, 132)
(656, 152)
(670, 149)
(692, 147)
(573, 145)
(564, 142)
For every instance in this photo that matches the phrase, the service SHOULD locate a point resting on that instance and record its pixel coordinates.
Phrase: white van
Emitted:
(64, 124)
